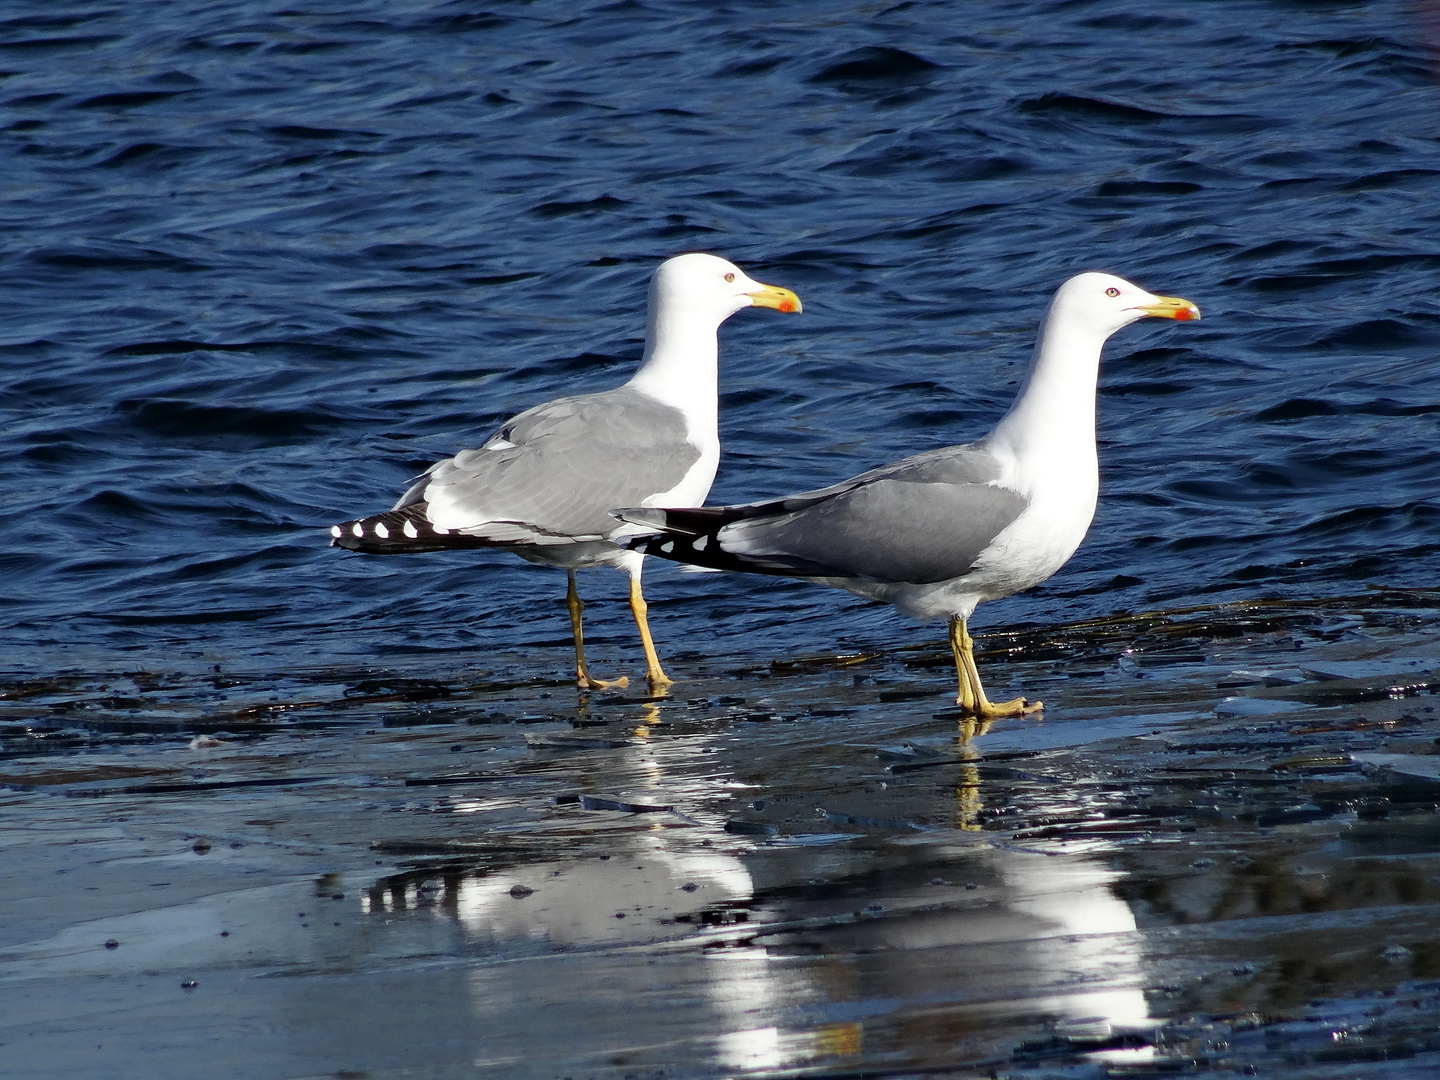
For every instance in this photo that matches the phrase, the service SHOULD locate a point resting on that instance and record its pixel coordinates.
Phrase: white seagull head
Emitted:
(1103, 303)
(698, 283)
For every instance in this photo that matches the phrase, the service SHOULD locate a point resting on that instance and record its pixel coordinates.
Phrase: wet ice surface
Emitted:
(811, 867)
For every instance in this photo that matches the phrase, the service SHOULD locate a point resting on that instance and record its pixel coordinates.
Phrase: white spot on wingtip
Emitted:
(358, 529)
(668, 546)
(700, 543)
(335, 531)
(410, 530)
(381, 531)
(439, 531)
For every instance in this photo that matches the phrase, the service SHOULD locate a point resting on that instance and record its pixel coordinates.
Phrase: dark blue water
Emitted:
(261, 263)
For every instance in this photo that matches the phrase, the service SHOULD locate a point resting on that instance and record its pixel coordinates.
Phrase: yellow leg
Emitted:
(966, 696)
(582, 673)
(658, 679)
(972, 694)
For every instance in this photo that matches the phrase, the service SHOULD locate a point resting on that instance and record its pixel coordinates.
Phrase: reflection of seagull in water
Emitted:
(541, 485)
(937, 533)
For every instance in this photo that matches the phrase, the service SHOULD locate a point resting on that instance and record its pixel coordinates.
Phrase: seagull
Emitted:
(541, 486)
(937, 533)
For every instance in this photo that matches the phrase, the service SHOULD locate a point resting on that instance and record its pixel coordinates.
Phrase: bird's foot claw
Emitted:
(587, 682)
(989, 709)
(1015, 707)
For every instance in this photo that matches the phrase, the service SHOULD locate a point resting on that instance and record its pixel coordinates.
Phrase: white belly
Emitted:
(1037, 544)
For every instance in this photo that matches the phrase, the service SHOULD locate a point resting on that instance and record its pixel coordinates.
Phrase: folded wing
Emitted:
(551, 473)
(925, 519)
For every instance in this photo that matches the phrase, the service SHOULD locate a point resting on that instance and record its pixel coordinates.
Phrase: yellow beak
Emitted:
(773, 296)
(1171, 307)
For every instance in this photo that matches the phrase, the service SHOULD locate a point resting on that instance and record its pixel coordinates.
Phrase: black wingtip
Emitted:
(705, 549)
(702, 550)
(683, 535)
(398, 532)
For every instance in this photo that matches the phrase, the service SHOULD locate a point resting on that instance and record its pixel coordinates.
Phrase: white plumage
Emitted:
(541, 486)
(941, 532)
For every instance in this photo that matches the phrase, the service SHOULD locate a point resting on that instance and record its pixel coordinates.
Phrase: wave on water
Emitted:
(262, 267)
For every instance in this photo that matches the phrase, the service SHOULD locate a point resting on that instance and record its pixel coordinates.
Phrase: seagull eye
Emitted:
(1112, 291)
(729, 277)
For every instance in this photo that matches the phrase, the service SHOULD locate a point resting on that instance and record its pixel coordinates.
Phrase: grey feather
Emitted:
(971, 463)
(892, 529)
(572, 459)
(921, 520)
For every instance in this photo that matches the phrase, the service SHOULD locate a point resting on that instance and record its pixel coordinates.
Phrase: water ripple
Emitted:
(263, 264)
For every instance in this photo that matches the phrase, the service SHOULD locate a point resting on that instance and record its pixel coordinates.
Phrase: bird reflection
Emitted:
(731, 943)
(649, 718)
(967, 792)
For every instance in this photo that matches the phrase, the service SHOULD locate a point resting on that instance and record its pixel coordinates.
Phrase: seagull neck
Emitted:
(680, 368)
(1055, 410)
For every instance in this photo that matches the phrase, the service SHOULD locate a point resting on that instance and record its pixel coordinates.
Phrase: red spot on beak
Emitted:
(787, 307)
(1184, 315)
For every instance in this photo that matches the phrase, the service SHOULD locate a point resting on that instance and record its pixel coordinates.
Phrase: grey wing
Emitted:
(971, 463)
(551, 473)
(921, 520)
